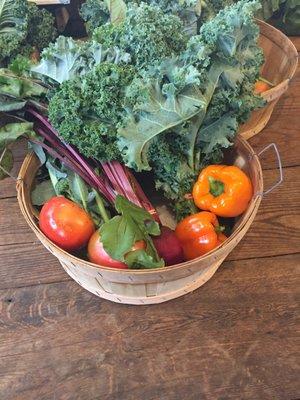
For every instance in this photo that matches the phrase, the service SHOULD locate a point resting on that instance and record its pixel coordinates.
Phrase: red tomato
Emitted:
(65, 223)
(199, 234)
(97, 254)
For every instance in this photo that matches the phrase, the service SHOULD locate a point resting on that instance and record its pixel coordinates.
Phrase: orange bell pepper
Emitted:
(223, 190)
(199, 233)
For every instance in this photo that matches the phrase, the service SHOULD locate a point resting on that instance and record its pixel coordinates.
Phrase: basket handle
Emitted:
(280, 180)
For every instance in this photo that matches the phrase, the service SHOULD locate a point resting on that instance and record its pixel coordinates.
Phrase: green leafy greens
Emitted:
(23, 28)
(119, 234)
(159, 85)
(171, 102)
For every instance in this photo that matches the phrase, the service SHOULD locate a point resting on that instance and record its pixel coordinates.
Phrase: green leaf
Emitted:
(195, 123)
(117, 11)
(140, 259)
(95, 13)
(288, 19)
(268, 8)
(218, 134)
(55, 173)
(61, 59)
(79, 189)
(162, 112)
(6, 162)
(62, 188)
(39, 151)
(10, 104)
(119, 234)
(9, 133)
(19, 87)
(13, 24)
(42, 193)
(67, 58)
(99, 205)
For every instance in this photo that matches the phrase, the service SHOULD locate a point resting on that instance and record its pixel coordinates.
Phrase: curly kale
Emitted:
(176, 107)
(13, 26)
(109, 35)
(184, 111)
(41, 29)
(86, 110)
(173, 175)
(210, 8)
(95, 13)
(23, 28)
(148, 35)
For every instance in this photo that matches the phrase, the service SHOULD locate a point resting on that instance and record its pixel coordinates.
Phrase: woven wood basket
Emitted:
(280, 66)
(147, 286)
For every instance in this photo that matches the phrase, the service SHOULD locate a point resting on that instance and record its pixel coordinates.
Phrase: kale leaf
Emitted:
(148, 34)
(23, 28)
(87, 109)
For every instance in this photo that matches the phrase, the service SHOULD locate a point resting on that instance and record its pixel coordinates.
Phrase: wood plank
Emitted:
(276, 228)
(28, 264)
(283, 129)
(14, 229)
(8, 185)
(233, 338)
(296, 41)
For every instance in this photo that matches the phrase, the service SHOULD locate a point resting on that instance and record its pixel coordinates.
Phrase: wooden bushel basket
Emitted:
(281, 60)
(147, 286)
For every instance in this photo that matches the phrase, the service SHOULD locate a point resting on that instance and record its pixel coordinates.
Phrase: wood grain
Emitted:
(61, 342)
(276, 228)
(296, 41)
(26, 265)
(283, 129)
(8, 185)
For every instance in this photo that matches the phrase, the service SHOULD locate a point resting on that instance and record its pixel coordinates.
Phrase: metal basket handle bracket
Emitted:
(280, 180)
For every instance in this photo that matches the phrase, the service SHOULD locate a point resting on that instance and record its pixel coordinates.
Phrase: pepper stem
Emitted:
(266, 81)
(216, 188)
(219, 228)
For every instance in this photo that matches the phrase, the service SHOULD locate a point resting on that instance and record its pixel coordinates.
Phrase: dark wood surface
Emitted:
(237, 337)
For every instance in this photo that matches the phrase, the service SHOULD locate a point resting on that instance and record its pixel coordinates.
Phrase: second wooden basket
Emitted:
(281, 60)
(147, 286)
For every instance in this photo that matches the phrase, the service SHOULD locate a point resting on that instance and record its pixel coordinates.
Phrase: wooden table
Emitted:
(234, 338)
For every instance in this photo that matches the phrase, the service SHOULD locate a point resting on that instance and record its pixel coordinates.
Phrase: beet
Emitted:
(168, 246)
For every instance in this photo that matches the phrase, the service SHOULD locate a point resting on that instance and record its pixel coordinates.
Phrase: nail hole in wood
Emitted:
(9, 300)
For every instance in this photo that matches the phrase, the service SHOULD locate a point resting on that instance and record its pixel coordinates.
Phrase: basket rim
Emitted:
(252, 208)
